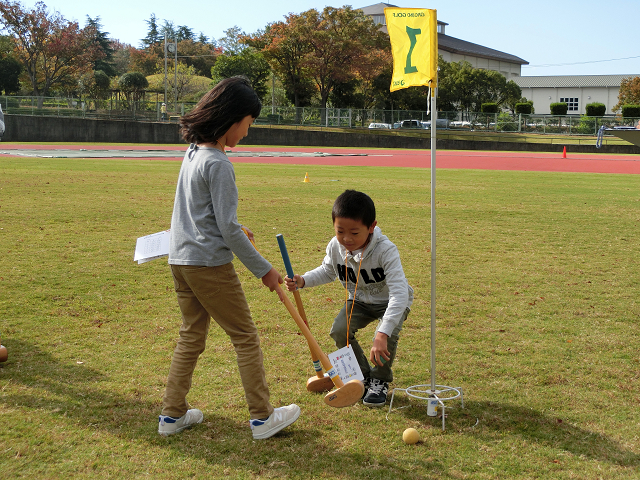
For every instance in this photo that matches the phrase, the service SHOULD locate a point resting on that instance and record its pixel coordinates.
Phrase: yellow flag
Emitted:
(414, 45)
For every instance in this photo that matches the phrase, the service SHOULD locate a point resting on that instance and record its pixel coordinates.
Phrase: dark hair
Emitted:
(231, 100)
(356, 206)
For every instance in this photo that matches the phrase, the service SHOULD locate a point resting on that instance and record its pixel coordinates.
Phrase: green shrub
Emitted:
(559, 108)
(526, 108)
(595, 109)
(588, 125)
(631, 111)
(489, 108)
(506, 123)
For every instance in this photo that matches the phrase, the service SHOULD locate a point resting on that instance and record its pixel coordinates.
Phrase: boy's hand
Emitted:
(292, 285)
(379, 350)
(273, 280)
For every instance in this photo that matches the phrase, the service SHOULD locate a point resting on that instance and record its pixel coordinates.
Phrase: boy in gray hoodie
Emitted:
(368, 265)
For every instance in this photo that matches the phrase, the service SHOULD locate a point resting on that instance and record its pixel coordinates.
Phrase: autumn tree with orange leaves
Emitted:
(629, 93)
(323, 50)
(54, 51)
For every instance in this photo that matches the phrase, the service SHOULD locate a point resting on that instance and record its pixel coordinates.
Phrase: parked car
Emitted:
(440, 123)
(379, 125)
(460, 124)
(409, 124)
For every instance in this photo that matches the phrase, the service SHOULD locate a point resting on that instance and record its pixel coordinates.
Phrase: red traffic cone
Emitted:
(564, 152)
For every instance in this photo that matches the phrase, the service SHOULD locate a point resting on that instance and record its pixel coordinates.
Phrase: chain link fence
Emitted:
(122, 109)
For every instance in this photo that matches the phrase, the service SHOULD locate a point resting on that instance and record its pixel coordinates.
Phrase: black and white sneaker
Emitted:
(366, 382)
(376, 394)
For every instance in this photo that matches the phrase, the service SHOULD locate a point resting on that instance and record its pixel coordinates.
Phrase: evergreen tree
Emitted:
(105, 64)
(153, 35)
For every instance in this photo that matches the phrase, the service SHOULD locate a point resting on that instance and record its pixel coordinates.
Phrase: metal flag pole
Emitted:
(406, 30)
(434, 119)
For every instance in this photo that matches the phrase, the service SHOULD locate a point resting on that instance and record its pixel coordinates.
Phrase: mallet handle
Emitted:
(287, 265)
(313, 345)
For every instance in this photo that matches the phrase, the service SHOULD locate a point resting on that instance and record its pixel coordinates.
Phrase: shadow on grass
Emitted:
(481, 419)
(75, 393)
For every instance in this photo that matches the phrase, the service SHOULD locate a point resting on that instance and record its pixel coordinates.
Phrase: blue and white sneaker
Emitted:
(280, 418)
(170, 425)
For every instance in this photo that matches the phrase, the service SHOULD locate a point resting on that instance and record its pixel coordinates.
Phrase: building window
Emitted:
(571, 102)
(379, 20)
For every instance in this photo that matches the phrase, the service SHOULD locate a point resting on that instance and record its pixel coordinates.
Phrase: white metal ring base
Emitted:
(424, 392)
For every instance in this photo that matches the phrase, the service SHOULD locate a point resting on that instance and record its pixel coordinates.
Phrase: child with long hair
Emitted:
(205, 234)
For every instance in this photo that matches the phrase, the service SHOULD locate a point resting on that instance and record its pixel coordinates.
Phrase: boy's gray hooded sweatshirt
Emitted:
(381, 277)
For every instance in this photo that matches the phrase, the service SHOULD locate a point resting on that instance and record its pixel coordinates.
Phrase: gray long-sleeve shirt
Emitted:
(204, 226)
(381, 280)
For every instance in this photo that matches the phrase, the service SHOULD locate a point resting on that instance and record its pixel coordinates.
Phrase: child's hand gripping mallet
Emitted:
(346, 394)
(319, 383)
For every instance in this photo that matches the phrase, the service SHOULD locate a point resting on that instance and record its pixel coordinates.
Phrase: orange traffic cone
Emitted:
(564, 152)
(306, 178)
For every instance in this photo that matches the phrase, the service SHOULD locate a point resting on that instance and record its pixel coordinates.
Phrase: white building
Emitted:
(575, 90)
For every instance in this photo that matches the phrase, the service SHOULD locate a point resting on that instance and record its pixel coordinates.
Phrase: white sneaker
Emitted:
(170, 425)
(280, 418)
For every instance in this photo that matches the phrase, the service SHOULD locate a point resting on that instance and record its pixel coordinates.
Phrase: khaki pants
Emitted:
(205, 293)
(363, 315)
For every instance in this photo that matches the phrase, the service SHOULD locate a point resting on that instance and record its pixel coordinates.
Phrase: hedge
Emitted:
(631, 111)
(559, 108)
(526, 108)
(595, 109)
(489, 108)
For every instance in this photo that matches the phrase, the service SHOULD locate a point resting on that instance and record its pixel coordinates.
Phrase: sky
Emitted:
(561, 37)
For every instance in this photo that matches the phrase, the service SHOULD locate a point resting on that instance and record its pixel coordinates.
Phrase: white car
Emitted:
(379, 125)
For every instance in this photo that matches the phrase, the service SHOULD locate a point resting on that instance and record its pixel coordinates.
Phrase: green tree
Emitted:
(52, 50)
(249, 63)
(153, 33)
(462, 87)
(133, 85)
(10, 70)
(340, 39)
(94, 85)
(121, 57)
(184, 33)
(105, 63)
(10, 67)
(629, 93)
(231, 43)
(284, 46)
(200, 56)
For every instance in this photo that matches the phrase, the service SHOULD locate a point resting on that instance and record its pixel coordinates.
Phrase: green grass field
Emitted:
(537, 318)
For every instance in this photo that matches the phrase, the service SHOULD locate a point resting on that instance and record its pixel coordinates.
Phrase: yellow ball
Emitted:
(410, 436)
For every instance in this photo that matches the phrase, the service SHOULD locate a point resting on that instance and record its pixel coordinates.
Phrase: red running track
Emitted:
(453, 159)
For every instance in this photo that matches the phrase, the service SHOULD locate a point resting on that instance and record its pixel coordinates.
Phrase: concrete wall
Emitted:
(25, 128)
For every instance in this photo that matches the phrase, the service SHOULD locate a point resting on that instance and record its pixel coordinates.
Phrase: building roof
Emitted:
(378, 9)
(451, 44)
(575, 81)
(462, 47)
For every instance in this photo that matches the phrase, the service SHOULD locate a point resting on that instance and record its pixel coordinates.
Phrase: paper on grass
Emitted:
(344, 361)
(152, 246)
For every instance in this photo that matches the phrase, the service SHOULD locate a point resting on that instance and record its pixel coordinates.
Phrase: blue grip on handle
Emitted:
(285, 255)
